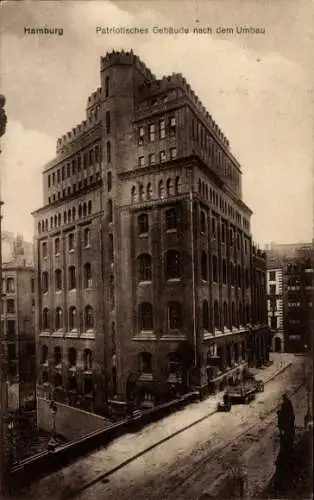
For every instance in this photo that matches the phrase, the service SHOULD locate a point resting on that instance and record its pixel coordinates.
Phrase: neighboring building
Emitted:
(14, 246)
(295, 264)
(275, 305)
(18, 306)
(144, 254)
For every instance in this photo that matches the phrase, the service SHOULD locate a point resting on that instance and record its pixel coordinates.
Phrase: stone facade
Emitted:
(169, 301)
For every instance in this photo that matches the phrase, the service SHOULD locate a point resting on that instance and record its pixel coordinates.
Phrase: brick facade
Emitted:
(172, 261)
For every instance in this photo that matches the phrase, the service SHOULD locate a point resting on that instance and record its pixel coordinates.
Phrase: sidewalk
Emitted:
(104, 461)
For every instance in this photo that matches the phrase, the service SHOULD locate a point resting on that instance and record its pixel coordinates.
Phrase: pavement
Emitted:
(88, 469)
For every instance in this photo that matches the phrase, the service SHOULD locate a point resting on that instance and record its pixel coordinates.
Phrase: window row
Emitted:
(222, 317)
(86, 241)
(228, 274)
(71, 357)
(69, 216)
(75, 188)
(165, 127)
(225, 231)
(55, 319)
(72, 278)
(79, 162)
(218, 201)
(153, 159)
(205, 140)
(142, 193)
(145, 362)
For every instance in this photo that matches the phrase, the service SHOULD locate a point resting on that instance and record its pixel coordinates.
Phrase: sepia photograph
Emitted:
(157, 237)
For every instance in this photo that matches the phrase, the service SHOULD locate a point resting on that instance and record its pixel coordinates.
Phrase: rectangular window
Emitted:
(272, 289)
(141, 161)
(58, 175)
(152, 158)
(10, 306)
(53, 178)
(173, 153)
(273, 322)
(10, 285)
(151, 132)
(32, 285)
(172, 126)
(141, 136)
(44, 249)
(162, 129)
(68, 170)
(11, 351)
(272, 276)
(214, 227)
(63, 173)
(49, 181)
(11, 327)
(162, 156)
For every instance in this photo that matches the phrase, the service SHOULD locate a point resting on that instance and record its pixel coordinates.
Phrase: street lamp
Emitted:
(52, 441)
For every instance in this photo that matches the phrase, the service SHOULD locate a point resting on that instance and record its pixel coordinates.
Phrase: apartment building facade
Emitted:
(275, 305)
(144, 253)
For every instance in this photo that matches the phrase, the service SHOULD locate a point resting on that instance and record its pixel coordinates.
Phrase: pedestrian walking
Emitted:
(239, 472)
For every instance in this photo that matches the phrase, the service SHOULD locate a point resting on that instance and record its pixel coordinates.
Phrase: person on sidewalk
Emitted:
(286, 424)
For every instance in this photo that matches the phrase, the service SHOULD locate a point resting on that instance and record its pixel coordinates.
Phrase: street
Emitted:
(161, 461)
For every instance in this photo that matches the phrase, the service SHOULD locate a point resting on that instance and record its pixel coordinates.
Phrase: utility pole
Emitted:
(4, 441)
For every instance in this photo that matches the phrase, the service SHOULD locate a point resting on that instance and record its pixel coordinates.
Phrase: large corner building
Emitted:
(147, 274)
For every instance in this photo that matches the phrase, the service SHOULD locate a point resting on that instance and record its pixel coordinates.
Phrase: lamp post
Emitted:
(4, 437)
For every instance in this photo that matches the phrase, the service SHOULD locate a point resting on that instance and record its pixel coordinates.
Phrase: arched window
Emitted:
(57, 246)
(80, 211)
(144, 267)
(57, 357)
(89, 207)
(203, 221)
(174, 315)
(205, 315)
(247, 280)
(107, 86)
(145, 313)
(109, 181)
(111, 253)
(72, 356)
(72, 278)
(215, 268)
(247, 313)
(110, 211)
(71, 241)
(69, 215)
(56, 220)
(142, 224)
(86, 237)
(145, 361)
(204, 268)
(169, 187)
(44, 354)
(46, 224)
(39, 227)
(87, 275)
(84, 209)
(231, 274)
(216, 315)
(45, 282)
(161, 190)
(172, 264)
(233, 314)
(58, 279)
(72, 318)
(240, 315)
(45, 377)
(149, 191)
(46, 325)
(87, 359)
(226, 318)
(133, 194)
(141, 192)
(89, 318)
(171, 219)
(108, 147)
(178, 185)
(199, 186)
(239, 276)
(59, 318)
(224, 272)
(108, 123)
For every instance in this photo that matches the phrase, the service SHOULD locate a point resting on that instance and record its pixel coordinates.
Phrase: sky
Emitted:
(257, 87)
